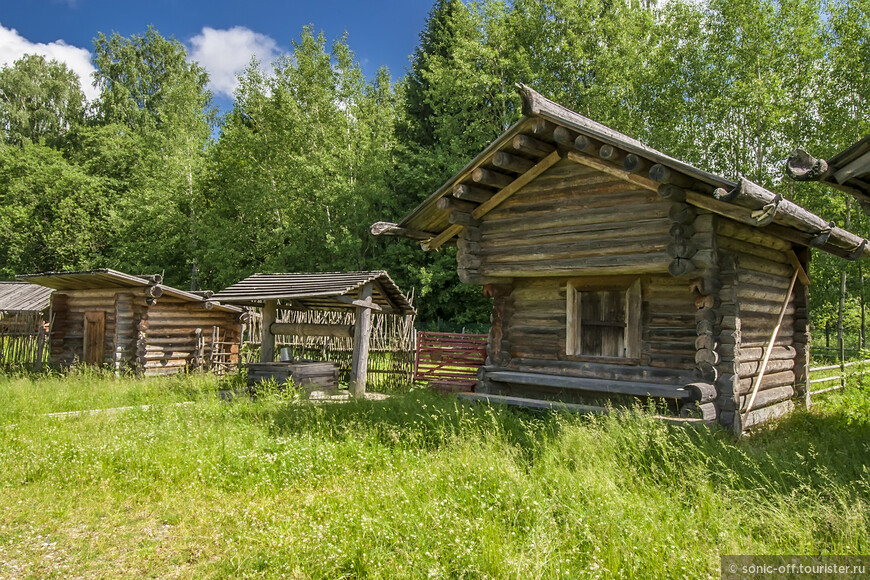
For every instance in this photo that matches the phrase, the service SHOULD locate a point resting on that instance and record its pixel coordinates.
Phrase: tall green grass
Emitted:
(414, 486)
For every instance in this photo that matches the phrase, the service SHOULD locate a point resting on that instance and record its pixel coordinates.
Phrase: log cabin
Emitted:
(127, 323)
(618, 273)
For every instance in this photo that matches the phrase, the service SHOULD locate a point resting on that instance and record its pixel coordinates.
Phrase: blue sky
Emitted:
(221, 35)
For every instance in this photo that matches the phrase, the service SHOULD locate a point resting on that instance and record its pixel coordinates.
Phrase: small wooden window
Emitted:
(604, 320)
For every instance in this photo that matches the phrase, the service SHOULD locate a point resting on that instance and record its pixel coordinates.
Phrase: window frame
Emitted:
(632, 334)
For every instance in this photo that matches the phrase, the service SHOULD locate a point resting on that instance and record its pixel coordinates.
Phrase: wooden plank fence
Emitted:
(845, 370)
(449, 358)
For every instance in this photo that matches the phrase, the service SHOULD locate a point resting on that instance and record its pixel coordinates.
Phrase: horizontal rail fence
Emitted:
(391, 345)
(23, 341)
(844, 372)
(449, 357)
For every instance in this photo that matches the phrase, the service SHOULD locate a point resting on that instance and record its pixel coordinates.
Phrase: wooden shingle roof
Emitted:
(17, 297)
(108, 278)
(848, 170)
(549, 133)
(317, 290)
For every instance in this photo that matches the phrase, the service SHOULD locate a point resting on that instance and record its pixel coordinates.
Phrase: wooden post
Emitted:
(40, 346)
(361, 332)
(267, 343)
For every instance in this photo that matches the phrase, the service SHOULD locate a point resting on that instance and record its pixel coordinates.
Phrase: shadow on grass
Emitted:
(818, 453)
(421, 419)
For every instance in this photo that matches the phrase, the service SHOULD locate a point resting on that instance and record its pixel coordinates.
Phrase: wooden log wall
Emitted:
(168, 341)
(756, 277)
(571, 220)
(67, 343)
(529, 333)
(142, 333)
(497, 346)
(801, 336)
(125, 332)
(57, 340)
(695, 259)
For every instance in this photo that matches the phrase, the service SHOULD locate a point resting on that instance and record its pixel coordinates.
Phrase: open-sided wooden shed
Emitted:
(359, 292)
(124, 322)
(619, 272)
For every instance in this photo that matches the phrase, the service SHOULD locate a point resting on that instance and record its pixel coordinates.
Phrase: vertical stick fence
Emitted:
(391, 346)
(23, 341)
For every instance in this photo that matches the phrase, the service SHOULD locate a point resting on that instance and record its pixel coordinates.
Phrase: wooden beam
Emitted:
(267, 342)
(801, 273)
(293, 329)
(442, 238)
(471, 193)
(451, 204)
(531, 146)
(357, 302)
(605, 167)
(391, 229)
(520, 182)
(361, 333)
(505, 160)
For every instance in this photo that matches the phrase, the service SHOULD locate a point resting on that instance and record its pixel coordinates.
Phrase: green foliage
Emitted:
(151, 96)
(39, 100)
(413, 486)
(53, 215)
(300, 169)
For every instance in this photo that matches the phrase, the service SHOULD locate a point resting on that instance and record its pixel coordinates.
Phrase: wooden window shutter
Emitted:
(604, 322)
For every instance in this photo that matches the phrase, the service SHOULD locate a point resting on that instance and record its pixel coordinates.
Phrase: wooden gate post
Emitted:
(40, 346)
(361, 332)
(267, 341)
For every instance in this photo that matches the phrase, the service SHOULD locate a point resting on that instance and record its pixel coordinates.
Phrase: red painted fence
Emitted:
(445, 357)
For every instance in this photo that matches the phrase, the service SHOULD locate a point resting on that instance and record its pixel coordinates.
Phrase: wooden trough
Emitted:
(310, 376)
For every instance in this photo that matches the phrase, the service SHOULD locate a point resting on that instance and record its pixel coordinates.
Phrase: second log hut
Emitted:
(128, 323)
(619, 272)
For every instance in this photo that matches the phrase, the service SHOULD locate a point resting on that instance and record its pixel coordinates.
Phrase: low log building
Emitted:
(135, 323)
(619, 272)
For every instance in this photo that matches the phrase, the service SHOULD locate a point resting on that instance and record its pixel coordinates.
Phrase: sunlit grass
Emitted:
(415, 486)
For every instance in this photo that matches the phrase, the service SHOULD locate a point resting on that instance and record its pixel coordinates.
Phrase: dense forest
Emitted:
(149, 178)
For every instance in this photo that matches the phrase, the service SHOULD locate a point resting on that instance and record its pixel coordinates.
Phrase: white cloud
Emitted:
(226, 53)
(13, 46)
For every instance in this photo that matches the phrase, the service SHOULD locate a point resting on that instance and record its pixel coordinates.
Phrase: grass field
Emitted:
(417, 486)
